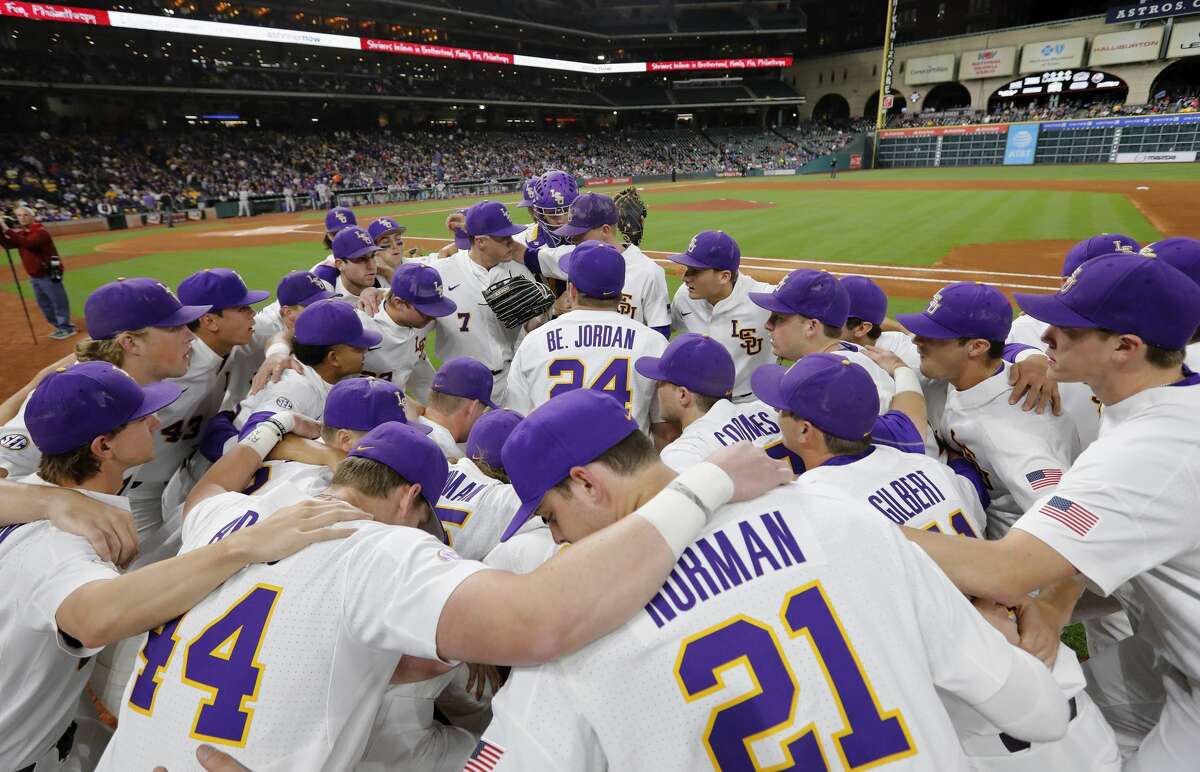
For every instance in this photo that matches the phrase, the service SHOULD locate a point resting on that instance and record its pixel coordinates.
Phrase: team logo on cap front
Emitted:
(14, 442)
(935, 303)
(1121, 246)
(315, 281)
(340, 216)
(692, 244)
(364, 238)
(1072, 280)
(504, 211)
(1147, 251)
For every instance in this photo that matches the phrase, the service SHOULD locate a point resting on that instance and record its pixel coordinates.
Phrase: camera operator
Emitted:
(41, 261)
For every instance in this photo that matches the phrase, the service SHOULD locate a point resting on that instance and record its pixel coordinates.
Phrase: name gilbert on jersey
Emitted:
(726, 558)
(593, 336)
(903, 499)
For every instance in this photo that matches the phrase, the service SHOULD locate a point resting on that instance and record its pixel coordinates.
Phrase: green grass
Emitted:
(1076, 639)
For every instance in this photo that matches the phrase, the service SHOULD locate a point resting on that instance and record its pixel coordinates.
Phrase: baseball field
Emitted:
(911, 230)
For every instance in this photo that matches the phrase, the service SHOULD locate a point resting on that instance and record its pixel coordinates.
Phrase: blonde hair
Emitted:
(108, 350)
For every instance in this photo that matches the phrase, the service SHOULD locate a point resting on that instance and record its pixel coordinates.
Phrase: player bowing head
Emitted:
(1183, 254)
(461, 393)
(355, 406)
(486, 440)
(297, 291)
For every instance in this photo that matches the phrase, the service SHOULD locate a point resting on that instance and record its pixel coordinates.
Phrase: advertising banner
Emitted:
(1157, 158)
(1052, 55)
(1137, 45)
(1185, 40)
(988, 63)
(929, 69)
(1144, 10)
(945, 131)
(1022, 144)
(608, 181)
(778, 172)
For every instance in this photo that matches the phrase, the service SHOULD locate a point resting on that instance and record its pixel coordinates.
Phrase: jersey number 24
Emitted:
(870, 735)
(572, 374)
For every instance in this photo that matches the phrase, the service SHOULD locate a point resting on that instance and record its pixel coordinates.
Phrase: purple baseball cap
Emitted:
(490, 218)
(815, 294)
(867, 301)
(339, 217)
(461, 239)
(596, 269)
(964, 309)
(694, 361)
(410, 454)
(528, 192)
(1126, 294)
(131, 304)
(327, 273)
(331, 322)
(487, 436)
(382, 226)
(465, 377)
(711, 249)
(362, 404)
(221, 288)
(570, 430)
(1179, 252)
(587, 212)
(1103, 244)
(76, 404)
(301, 288)
(353, 243)
(829, 391)
(421, 286)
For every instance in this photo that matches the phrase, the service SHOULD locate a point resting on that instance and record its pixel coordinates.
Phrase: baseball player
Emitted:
(1123, 511)
(318, 636)
(808, 312)
(1183, 254)
(336, 219)
(868, 309)
(1021, 455)
(1077, 400)
(828, 407)
(786, 632)
(553, 194)
(331, 343)
(354, 258)
(63, 603)
(460, 394)
(415, 299)
(474, 330)
(593, 217)
(388, 235)
(592, 346)
(138, 325)
(477, 502)
(714, 300)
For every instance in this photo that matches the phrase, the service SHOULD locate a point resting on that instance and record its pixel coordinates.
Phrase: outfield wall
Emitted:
(1129, 139)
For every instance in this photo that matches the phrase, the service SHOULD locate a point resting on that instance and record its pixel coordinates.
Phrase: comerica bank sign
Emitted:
(1151, 9)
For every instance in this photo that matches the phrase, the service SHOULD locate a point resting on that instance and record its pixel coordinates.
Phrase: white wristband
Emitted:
(684, 507)
(278, 349)
(266, 436)
(906, 380)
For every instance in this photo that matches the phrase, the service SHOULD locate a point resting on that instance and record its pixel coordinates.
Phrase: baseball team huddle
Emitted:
(611, 530)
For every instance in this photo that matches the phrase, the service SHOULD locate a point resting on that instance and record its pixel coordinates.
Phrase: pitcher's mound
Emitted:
(717, 205)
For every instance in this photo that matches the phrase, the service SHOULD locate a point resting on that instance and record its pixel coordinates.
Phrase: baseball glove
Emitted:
(631, 214)
(518, 299)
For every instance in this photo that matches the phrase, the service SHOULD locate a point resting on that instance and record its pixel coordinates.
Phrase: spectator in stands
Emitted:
(40, 259)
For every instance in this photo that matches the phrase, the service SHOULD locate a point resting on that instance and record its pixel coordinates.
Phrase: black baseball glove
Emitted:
(518, 299)
(631, 214)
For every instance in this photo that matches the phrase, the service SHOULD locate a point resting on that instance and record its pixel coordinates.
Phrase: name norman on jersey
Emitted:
(593, 336)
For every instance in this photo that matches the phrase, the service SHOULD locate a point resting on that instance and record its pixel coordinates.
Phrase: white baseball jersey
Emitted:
(586, 349)
(18, 455)
(884, 384)
(399, 354)
(42, 671)
(902, 346)
(1192, 359)
(793, 625)
(644, 296)
(341, 292)
(1125, 512)
(475, 509)
(724, 424)
(525, 550)
(268, 322)
(300, 392)
(287, 661)
(1078, 401)
(308, 479)
(735, 322)
(445, 441)
(1020, 455)
(474, 331)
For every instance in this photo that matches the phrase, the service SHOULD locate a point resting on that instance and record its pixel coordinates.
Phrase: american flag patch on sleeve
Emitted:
(1070, 514)
(1044, 478)
(484, 758)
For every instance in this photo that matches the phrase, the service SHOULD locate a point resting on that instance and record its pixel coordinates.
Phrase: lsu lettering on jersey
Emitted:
(399, 354)
(1078, 401)
(1020, 455)
(285, 664)
(42, 671)
(586, 349)
(725, 424)
(644, 296)
(475, 509)
(797, 632)
(736, 322)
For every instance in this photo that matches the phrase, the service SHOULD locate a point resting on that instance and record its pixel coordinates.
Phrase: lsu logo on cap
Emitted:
(1147, 251)
(315, 280)
(935, 303)
(14, 441)
(558, 197)
(1073, 279)
(340, 216)
(364, 238)
(692, 244)
(504, 212)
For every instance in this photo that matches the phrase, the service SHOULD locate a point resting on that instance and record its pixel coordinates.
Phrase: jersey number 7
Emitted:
(870, 735)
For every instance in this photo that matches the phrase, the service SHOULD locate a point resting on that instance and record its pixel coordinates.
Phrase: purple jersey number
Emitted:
(870, 736)
(958, 521)
(160, 643)
(613, 379)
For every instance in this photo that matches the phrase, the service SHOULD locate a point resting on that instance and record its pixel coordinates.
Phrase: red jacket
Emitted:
(36, 248)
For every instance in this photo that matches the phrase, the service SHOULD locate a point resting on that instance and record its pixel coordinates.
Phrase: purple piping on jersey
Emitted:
(850, 459)
(1012, 349)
